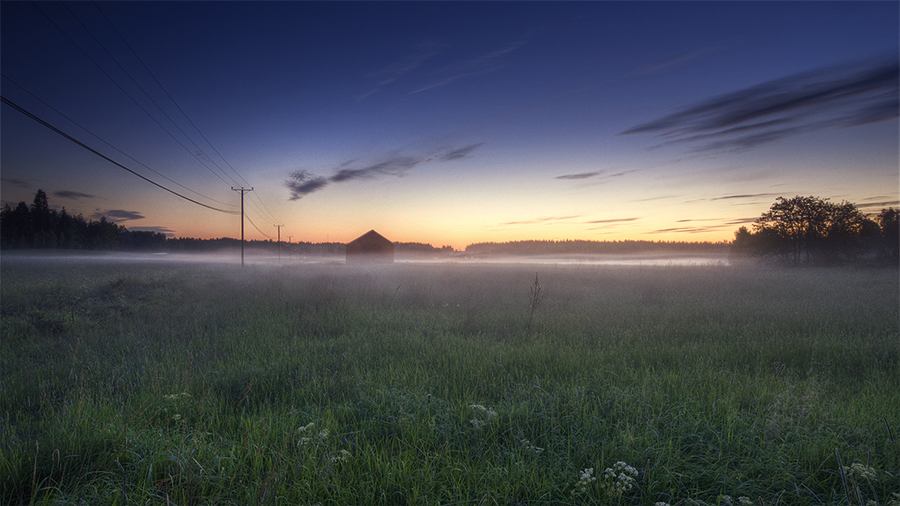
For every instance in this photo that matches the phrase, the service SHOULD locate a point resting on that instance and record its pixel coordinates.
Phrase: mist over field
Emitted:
(191, 380)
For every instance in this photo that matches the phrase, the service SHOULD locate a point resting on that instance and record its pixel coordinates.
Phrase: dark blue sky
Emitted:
(451, 123)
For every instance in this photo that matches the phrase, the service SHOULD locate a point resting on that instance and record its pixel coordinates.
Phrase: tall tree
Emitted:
(889, 222)
(809, 230)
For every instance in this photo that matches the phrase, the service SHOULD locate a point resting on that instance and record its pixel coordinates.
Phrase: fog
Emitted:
(267, 258)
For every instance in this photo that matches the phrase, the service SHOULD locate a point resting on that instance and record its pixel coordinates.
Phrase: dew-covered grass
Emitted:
(173, 383)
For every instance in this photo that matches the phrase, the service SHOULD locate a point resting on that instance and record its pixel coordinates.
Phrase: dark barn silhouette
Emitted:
(370, 247)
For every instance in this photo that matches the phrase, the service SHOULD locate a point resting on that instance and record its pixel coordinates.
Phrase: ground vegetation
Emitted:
(166, 383)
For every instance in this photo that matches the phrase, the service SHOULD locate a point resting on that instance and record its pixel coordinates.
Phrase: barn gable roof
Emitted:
(370, 247)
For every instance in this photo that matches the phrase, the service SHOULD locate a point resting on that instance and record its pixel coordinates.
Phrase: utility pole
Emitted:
(243, 191)
(279, 241)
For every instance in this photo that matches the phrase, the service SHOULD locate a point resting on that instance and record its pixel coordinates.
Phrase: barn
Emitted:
(370, 247)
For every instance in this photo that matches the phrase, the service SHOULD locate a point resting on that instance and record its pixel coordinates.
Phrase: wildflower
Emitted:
(528, 446)
(175, 397)
(860, 472)
(484, 417)
(744, 501)
(619, 479)
(585, 479)
(310, 438)
(660, 503)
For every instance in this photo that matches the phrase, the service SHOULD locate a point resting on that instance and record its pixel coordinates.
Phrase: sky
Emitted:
(448, 123)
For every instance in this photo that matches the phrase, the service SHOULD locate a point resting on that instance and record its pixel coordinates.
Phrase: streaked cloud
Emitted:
(547, 220)
(21, 183)
(617, 220)
(459, 153)
(478, 65)
(73, 195)
(583, 175)
(675, 61)
(833, 97)
(420, 54)
(162, 230)
(747, 196)
(302, 182)
(117, 215)
(597, 175)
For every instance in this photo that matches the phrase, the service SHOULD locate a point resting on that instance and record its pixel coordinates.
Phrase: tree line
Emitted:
(38, 226)
(813, 231)
(797, 231)
(579, 247)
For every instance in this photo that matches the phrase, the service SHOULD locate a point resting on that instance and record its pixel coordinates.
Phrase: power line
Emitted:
(172, 99)
(267, 236)
(57, 111)
(101, 155)
(128, 94)
(264, 211)
(167, 92)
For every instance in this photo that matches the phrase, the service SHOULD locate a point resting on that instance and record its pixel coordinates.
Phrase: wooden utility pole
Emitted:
(279, 241)
(243, 191)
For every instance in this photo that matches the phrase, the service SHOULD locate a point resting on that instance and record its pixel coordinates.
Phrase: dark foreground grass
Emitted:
(168, 383)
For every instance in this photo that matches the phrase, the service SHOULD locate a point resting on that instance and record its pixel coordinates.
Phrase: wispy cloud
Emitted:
(747, 196)
(616, 220)
(833, 97)
(546, 220)
(73, 195)
(163, 230)
(594, 175)
(21, 183)
(675, 61)
(458, 153)
(583, 175)
(478, 65)
(385, 76)
(302, 182)
(117, 215)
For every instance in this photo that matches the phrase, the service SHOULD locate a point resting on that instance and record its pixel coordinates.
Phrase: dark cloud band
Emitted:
(302, 182)
(833, 97)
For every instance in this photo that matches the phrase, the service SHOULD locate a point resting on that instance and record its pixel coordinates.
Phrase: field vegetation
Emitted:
(186, 384)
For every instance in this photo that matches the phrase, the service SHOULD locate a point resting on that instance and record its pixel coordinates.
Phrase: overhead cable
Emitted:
(57, 111)
(101, 155)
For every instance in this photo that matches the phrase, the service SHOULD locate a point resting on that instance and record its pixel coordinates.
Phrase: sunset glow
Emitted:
(450, 123)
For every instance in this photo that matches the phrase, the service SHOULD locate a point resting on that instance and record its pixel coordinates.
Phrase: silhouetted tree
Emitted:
(42, 227)
(809, 231)
(15, 226)
(889, 223)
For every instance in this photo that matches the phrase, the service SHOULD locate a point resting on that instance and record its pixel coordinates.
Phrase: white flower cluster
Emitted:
(860, 472)
(619, 479)
(175, 397)
(661, 503)
(585, 479)
(482, 415)
(309, 436)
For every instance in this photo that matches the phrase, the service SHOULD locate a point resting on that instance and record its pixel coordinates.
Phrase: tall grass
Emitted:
(166, 383)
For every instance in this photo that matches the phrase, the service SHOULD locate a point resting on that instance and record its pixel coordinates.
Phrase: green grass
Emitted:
(188, 384)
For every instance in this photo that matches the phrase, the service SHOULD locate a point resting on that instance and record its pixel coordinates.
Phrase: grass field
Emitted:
(186, 384)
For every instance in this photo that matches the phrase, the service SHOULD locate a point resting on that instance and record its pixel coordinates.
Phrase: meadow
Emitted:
(161, 382)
